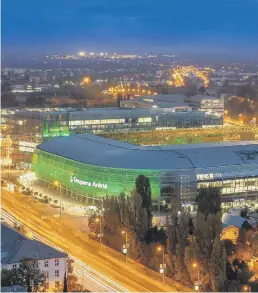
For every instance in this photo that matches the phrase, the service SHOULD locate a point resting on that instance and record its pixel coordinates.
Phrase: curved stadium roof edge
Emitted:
(99, 151)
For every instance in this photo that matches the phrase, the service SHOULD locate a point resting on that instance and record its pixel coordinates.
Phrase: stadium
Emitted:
(95, 166)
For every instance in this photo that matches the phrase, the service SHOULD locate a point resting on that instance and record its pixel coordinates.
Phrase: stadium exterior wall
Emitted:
(89, 180)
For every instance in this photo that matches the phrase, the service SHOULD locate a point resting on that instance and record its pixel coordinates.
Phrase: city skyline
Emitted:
(216, 27)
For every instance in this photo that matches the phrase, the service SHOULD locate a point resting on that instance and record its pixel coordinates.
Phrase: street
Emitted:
(66, 235)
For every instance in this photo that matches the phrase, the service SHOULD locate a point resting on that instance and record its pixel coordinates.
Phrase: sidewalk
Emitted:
(69, 205)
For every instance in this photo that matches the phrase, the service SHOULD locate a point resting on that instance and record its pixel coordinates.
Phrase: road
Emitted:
(101, 261)
(90, 280)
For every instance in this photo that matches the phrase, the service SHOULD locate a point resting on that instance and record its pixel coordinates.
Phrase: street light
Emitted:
(125, 246)
(162, 266)
(247, 288)
(98, 220)
(56, 183)
(196, 265)
(86, 80)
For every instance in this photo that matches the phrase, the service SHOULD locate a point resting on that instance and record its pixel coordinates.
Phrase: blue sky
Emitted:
(130, 25)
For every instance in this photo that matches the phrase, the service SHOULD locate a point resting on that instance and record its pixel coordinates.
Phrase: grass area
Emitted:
(188, 136)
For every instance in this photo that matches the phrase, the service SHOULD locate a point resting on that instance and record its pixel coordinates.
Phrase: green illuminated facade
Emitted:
(57, 126)
(88, 180)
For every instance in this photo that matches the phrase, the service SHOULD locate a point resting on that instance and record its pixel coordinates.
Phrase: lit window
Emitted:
(147, 119)
(57, 284)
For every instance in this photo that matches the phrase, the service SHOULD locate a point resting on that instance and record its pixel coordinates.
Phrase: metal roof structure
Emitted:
(99, 151)
(160, 101)
(103, 113)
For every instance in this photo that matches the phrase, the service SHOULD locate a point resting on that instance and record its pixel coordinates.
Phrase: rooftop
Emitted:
(15, 248)
(99, 113)
(202, 97)
(100, 151)
(231, 220)
(160, 100)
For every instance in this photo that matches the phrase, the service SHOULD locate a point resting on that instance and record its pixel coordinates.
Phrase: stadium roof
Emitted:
(100, 151)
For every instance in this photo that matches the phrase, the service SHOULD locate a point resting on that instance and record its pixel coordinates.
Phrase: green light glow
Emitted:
(54, 128)
(93, 181)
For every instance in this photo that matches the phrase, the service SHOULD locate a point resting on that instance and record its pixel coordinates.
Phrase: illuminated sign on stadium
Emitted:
(88, 183)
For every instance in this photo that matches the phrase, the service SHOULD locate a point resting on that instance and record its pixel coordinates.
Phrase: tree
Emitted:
(72, 281)
(230, 271)
(246, 226)
(65, 288)
(229, 246)
(36, 102)
(209, 201)
(177, 240)
(138, 216)
(234, 286)
(246, 91)
(6, 277)
(144, 189)
(244, 274)
(8, 100)
(217, 266)
(28, 274)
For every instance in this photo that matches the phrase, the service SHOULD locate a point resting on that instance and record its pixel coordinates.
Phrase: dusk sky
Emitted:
(130, 25)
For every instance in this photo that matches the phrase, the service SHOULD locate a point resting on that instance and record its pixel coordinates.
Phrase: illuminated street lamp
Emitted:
(125, 246)
(247, 288)
(98, 220)
(162, 266)
(86, 80)
(196, 266)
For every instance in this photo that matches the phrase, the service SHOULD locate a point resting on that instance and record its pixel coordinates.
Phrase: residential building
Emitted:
(15, 247)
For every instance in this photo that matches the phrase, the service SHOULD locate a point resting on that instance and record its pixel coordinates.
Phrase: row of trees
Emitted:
(192, 246)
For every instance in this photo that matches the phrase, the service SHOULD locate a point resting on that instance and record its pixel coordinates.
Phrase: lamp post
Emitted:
(60, 197)
(100, 232)
(125, 248)
(162, 266)
(196, 265)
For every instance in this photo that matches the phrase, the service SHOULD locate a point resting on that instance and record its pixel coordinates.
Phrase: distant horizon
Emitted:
(182, 51)
(185, 27)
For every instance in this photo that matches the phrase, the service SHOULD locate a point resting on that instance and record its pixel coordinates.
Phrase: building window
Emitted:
(56, 262)
(146, 119)
(46, 263)
(47, 285)
(56, 273)
(57, 284)
(15, 266)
